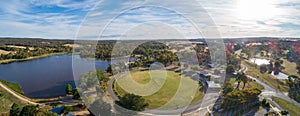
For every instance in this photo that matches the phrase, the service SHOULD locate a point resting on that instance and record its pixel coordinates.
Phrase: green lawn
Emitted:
(159, 88)
(291, 108)
(265, 77)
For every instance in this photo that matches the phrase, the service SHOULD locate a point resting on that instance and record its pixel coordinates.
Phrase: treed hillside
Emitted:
(17, 48)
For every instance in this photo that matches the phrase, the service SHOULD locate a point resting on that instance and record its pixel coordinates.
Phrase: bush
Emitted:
(284, 112)
(28, 111)
(132, 102)
(263, 69)
(67, 109)
(265, 104)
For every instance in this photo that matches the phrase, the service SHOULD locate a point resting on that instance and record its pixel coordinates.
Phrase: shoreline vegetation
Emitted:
(108, 59)
(8, 61)
(11, 91)
(17, 89)
(13, 86)
(30, 58)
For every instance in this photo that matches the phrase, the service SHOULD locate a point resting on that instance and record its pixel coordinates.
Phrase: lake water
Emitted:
(47, 77)
(280, 75)
(260, 61)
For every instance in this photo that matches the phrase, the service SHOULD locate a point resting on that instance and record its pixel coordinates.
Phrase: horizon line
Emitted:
(224, 38)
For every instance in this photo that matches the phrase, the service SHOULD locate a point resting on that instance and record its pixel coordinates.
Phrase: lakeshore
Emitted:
(29, 58)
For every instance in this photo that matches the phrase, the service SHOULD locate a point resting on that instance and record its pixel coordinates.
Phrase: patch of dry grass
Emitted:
(4, 52)
(289, 68)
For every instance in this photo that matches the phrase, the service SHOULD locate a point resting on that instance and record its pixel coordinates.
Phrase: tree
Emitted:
(122, 65)
(28, 111)
(277, 67)
(244, 79)
(270, 67)
(230, 69)
(284, 112)
(69, 89)
(292, 56)
(236, 47)
(262, 54)
(76, 94)
(45, 111)
(132, 102)
(227, 87)
(15, 110)
(265, 104)
(241, 77)
(109, 69)
(99, 107)
(195, 68)
(102, 78)
(234, 61)
(88, 80)
(239, 97)
(263, 68)
(294, 84)
(93, 79)
(67, 109)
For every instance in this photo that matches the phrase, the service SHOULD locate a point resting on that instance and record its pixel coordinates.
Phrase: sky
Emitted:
(144, 19)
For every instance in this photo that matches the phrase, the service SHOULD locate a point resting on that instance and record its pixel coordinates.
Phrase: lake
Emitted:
(280, 75)
(47, 77)
(260, 61)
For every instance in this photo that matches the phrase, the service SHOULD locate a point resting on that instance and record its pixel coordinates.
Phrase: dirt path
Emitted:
(16, 95)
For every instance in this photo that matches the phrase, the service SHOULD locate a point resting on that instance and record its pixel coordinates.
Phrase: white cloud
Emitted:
(70, 4)
(227, 17)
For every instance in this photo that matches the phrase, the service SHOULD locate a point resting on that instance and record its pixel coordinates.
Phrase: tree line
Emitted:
(40, 47)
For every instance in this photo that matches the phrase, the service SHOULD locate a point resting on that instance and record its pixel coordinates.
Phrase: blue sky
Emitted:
(135, 19)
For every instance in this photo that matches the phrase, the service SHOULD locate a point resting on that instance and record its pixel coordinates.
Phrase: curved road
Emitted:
(110, 86)
(17, 95)
(269, 91)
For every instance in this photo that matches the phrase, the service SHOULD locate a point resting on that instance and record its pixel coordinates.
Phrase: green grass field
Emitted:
(159, 88)
(291, 108)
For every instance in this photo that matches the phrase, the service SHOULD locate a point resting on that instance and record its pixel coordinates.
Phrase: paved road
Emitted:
(269, 91)
(17, 95)
(110, 86)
